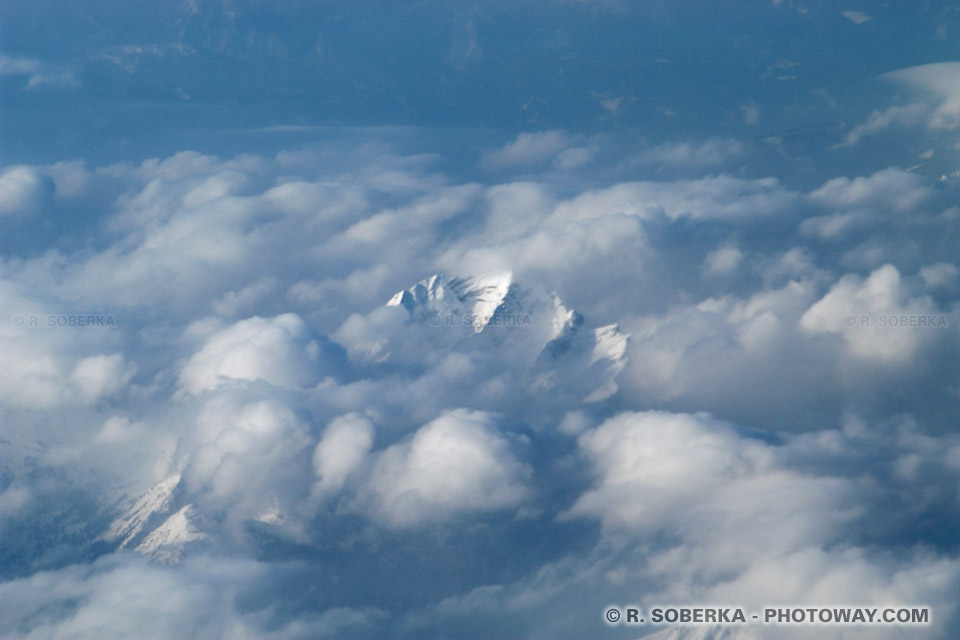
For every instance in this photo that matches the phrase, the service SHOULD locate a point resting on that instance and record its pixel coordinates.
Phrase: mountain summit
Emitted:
(562, 351)
(476, 303)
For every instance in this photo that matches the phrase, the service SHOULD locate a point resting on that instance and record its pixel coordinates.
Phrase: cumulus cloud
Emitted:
(343, 448)
(712, 486)
(867, 314)
(934, 91)
(890, 189)
(247, 461)
(651, 463)
(453, 465)
(723, 260)
(55, 358)
(696, 510)
(939, 83)
(234, 302)
(697, 477)
(124, 596)
(942, 274)
(101, 375)
(532, 149)
(23, 191)
(276, 350)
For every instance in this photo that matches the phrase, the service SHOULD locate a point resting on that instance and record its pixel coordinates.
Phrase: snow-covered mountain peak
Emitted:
(476, 299)
(564, 319)
(564, 353)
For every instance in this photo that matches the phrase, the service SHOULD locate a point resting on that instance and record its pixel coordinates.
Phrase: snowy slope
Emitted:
(561, 350)
(145, 510)
(166, 542)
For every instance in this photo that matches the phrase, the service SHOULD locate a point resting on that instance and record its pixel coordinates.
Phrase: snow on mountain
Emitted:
(474, 301)
(145, 510)
(563, 353)
(597, 355)
(155, 525)
(166, 542)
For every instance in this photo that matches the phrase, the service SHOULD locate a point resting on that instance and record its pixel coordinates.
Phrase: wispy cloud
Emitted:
(39, 74)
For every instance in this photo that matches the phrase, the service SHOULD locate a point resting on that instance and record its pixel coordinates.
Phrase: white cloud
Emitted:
(54, 79)
(867, 312)
(890, 189)
(612, 105)
(934, 93)
(102, 375)
(529, 150)
(244, 300)
(72, 179)
(277, 350)
(52, 358)
(904, 116)
(248, 461)
(720, 197)
(660, 470)
(836, 225)
(942, 274)
(696, 511)
(371, 338)
(939, 83)
(123, 597)
(423, 215)
(712, 153)
(466, 47)
(723, 260)
(456, 464)
(750, 113)
(39, 74)
(10, 65)
(343, 448)
(24, 191)
(119, 429)
(691, 352)
(128, 598)
(856, 17)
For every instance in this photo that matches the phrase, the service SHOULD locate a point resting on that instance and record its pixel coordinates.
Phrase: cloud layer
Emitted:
(378, 384)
